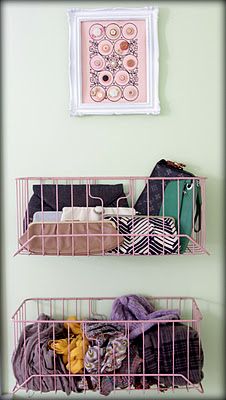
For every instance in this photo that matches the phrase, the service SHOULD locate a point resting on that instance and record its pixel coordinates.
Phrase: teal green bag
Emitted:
(189, 216)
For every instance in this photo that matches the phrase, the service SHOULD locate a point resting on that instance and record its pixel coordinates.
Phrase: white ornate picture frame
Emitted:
(113, 61)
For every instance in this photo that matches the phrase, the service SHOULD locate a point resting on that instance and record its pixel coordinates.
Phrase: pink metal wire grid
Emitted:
(86, 310)
(106, 236)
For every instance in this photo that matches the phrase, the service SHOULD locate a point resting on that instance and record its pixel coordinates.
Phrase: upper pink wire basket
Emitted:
(111, 216)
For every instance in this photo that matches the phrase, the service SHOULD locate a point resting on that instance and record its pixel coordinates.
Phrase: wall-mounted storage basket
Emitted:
(111, 216)
(162, 352)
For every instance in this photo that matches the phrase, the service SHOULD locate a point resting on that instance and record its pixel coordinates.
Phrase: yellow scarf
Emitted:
(73, 350)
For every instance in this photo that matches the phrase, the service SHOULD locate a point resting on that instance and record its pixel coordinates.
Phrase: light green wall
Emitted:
(41, 139)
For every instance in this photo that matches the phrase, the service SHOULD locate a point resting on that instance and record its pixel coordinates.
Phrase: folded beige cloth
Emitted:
(94, 213)
(40, 238)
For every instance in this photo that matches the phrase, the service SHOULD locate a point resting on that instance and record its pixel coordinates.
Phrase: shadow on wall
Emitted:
(212, 336)
(163, 60)
(214, 211)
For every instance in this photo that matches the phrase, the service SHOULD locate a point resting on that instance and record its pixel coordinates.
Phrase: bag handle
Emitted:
(175, 164)
(197, 219)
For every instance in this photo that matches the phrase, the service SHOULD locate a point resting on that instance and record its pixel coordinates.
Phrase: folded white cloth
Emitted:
(94, 213)
(47, 216)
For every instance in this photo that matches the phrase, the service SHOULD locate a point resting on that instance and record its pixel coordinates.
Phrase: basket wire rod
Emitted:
(103, 178)
(193, 316)
(38, 306)
(25, 311)
(98, 366)
(131, 186)
(193, 212)
(173, 355)
(201, 234)
(23, 319)
(39, 358)
(143, 353)
(68, 354)
(108, 234)
(118, 245)
(72, 224)
(76, 306)
(57, 224)
(114, 366)
(87, 222)
(109, 321)
(203, 220)
(63, 304)
(23, 202)
(129, 195)
(51, 308)
(108, 298)
(42, 236)
(25, 351)
(163, 213)
(188, 349)
(19, 323)
(201, 390)
(90, 307)
(14, 336)
(84, 353)
(117, 230)
(158, 361)
(18, 216)
(199, 333)
(152, 298)
(102, 217)
(129, 373)
(203, 250)
(179, 306)
(147, 182)
(27, 204)
(178, 214)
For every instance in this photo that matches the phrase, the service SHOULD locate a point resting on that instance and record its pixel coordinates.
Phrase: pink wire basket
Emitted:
(161, 368)
(89, 216)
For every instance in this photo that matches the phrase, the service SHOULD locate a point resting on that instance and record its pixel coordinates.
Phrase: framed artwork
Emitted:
(113, 61)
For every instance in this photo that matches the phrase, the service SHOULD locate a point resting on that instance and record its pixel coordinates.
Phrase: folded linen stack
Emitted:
(94, 213)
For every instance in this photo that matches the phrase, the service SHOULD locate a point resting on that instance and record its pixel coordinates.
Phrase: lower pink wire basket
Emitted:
(108, 344)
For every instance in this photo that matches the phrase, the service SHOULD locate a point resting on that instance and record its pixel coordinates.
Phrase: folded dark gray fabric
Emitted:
(29, 359)
(50, 197)
(188, 359)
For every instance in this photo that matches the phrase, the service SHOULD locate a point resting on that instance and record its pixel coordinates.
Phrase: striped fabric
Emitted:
(163, 239)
